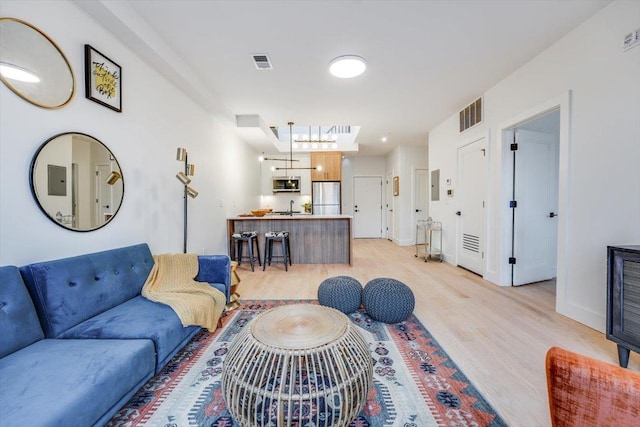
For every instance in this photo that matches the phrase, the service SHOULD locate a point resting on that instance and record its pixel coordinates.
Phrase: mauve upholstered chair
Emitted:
(585, 392)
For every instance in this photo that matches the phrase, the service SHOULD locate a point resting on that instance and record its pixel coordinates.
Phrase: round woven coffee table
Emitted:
(299, 364)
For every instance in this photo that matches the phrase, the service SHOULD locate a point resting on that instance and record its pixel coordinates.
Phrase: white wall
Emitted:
(370, 166)
(156, 118)
(599, 87)
(402, 162)
(62, 156)
(280, 201)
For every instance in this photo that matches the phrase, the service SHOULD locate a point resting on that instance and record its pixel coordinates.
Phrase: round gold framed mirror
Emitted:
(33, 66)
(77, 181)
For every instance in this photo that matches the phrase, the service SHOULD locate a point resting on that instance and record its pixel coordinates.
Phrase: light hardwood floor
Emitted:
(497, 336)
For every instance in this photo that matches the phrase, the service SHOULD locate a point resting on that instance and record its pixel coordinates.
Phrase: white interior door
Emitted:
(472, 184)
(389, 205)
(536, 193)
(420, 194)
(367, 207)
(103, 194)
(74, 195)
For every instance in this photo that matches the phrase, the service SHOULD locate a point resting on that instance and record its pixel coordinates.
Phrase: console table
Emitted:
(623, 299)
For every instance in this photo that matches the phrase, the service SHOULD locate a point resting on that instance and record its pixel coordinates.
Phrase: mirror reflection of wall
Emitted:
(92, 181)
(33, 66)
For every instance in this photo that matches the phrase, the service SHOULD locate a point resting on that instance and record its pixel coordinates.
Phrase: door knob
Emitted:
(459, 213)
(552, 214)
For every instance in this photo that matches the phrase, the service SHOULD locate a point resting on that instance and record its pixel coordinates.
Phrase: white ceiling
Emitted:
(426, 59)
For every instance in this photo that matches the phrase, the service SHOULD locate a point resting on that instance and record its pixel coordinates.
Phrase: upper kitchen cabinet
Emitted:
(331, 163)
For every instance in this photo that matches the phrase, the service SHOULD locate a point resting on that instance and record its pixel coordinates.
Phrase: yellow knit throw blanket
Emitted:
(171, 282)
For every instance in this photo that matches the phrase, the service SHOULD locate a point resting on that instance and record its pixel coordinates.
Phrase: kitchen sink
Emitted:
(285, 212)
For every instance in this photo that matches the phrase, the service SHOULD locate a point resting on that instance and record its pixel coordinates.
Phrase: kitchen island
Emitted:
(314, 239)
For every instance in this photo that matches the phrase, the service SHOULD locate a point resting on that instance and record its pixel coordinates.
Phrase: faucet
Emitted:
(291, 208)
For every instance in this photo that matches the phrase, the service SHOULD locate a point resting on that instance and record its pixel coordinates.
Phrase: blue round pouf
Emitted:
(388, 300)
(341, 292)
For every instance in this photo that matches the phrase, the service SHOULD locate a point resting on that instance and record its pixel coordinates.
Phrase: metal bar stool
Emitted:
(281, 237)
(251, 238)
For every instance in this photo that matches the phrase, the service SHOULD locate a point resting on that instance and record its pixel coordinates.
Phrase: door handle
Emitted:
(552, 214)
(107, 206)
(418, 210)
(459, 213)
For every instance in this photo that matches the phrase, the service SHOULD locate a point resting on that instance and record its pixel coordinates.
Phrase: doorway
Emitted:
(420, 195)
(74, 194)
(103, 209)
(367, 207)
(534, 202)
(389, 205)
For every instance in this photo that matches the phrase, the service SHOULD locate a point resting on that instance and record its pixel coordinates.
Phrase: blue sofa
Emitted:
(78, 339)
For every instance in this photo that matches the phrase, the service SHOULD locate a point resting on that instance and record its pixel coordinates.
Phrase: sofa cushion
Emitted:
(138, 318)
(69, 291)
(71, 382)
(18, 319)
(216, 270)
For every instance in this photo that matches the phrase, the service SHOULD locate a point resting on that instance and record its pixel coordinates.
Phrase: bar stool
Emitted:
(281, 237)
(237, 242)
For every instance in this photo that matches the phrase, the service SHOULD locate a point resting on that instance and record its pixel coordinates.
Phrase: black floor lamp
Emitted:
(183, 177)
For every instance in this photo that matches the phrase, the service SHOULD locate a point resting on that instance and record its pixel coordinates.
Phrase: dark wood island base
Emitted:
(315, 239)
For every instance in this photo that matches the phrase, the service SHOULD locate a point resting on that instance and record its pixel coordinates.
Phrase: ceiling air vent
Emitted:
(471, 115)
(262, 61)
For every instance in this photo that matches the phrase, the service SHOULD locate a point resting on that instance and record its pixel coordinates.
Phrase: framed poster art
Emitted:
(103, 79)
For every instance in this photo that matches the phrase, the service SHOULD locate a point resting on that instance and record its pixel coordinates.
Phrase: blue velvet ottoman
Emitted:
(388, 300)
(341, 292)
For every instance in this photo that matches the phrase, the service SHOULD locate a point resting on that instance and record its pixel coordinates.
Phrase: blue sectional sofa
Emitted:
(78, 339)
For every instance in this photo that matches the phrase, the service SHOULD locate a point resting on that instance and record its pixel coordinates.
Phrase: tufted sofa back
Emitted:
(69, 291)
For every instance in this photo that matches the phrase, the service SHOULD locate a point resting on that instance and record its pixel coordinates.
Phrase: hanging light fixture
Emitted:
(317, 138)
(291, 160)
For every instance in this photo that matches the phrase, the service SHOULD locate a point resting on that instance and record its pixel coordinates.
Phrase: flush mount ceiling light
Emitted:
(347, 66)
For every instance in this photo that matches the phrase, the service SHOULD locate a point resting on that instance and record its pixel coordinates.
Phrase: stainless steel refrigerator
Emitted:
(325, 198)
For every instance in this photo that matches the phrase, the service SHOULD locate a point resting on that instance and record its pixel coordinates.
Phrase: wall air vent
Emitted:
(262, 61)
(471, 115)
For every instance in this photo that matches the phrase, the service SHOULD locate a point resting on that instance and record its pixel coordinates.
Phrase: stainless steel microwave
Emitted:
(286, 184)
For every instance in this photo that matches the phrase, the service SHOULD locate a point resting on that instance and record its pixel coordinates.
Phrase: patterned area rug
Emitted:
(415, 383)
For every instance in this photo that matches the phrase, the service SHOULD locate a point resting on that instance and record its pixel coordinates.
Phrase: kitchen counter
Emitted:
(294, 216)
(314, 239)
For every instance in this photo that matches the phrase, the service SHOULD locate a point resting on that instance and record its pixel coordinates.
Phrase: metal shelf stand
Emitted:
(426, 229)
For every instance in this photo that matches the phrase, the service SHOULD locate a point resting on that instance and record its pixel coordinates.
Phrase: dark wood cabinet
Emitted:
(623, 299)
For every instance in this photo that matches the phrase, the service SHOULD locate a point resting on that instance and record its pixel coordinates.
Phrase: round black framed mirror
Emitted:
(76, 181)
(33, 66)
